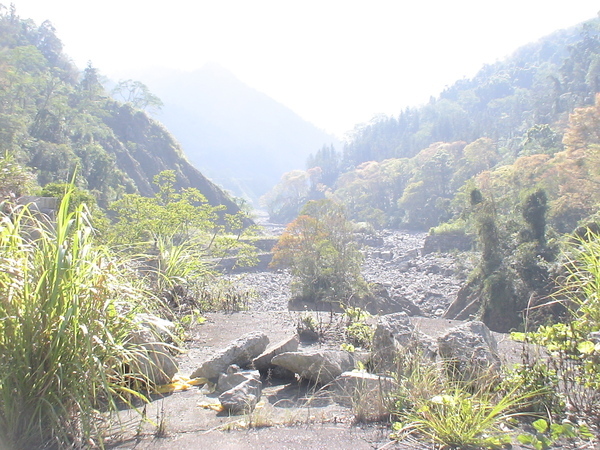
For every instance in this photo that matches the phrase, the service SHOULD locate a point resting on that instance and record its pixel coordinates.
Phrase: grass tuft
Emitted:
(66, 315)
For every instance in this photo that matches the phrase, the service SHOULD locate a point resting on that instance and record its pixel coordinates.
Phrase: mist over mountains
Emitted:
(239, 137)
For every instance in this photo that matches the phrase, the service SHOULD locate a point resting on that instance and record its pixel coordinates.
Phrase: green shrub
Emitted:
(320, 250)
(66, 314)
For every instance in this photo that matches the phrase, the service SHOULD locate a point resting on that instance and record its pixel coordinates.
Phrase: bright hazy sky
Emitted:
(336, 63)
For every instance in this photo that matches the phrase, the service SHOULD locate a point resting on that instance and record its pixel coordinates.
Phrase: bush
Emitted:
(320, 250)
(66, 319)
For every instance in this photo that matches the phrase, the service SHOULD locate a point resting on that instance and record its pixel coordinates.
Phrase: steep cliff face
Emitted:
(144, 148)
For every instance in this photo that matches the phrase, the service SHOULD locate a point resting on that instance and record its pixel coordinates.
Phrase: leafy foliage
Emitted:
(320, 250)
(67, 316)
(573, 345)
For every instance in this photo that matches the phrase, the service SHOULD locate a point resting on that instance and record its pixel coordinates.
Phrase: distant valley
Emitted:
(239, 137)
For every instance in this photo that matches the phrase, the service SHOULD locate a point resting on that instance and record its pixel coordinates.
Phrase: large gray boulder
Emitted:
(243, 397)
(240, 352)
(469, 352)
(369, 396)
(263, 363)
(395, 333)
(152, 359)
(317, 366)
(234, 376)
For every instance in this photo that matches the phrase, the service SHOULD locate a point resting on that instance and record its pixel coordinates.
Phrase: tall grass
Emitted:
(65, 319)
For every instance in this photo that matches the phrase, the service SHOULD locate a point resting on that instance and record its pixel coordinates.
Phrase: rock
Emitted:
(369, 395)
(380, 302)
(387, 255)
(263, 362)
(243, 397)
(318, 366)
(234, 376)
(393, 333)
(155, 363)
(447, 242)
(466, 305)
(402, 304)
(162, 329)
(469, 352)
(153, 359)
(240, 352)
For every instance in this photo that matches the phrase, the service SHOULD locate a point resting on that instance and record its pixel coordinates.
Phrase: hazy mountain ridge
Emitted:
(239, 136)
(58, 122)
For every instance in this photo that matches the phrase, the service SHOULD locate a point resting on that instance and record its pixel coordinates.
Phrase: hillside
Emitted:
(241, 138)
(57, 122)
(541, 83)
(521, 124)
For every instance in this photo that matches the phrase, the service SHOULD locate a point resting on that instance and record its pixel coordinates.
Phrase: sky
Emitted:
(337, 63)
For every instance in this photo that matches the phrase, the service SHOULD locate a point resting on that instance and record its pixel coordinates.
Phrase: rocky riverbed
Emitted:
(393, 259)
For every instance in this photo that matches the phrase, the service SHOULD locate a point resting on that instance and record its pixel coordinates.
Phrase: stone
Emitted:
(447, 242)
(243, 397)
(402, 304)
(317, 366)
(153, 359)
(241, 352)
(163, 329)
(155, 363)
(369, 395)
(393, 333)
(234, 376)
(469, 352)
(387, 255)
(263, 364)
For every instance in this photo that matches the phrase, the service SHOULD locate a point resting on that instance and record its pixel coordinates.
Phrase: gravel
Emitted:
(429, 281)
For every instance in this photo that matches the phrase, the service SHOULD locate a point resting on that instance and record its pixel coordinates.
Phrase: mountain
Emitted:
(59, 122)
(527, 123)
(540, 84)
(241, 138)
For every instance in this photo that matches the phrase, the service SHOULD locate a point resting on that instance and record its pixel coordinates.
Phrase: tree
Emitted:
(15, 180)
(138, 94)
(286, 198)
(320, 250)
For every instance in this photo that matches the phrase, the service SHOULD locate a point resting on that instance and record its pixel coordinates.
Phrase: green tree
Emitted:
(320, 250)
(138, 94)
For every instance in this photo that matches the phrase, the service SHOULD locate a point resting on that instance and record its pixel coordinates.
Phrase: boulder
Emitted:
(364, 391)
(469, 352)
(153, 359)
(241, 352)
(402, 304)
(243, 397)
(317, 366)
(263, 362)
(393, 333)
(234, 376)
(447, 242)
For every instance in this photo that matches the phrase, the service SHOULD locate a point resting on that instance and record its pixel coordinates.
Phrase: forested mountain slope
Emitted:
(58, 122)
(529, 122)
(540, 84)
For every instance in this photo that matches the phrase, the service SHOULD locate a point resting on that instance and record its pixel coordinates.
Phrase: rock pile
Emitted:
(240, 369)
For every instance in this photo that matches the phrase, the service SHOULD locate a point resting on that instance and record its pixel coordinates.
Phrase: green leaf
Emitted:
(586, 347)
(526, 439)
(518, 336)
(540, 425)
